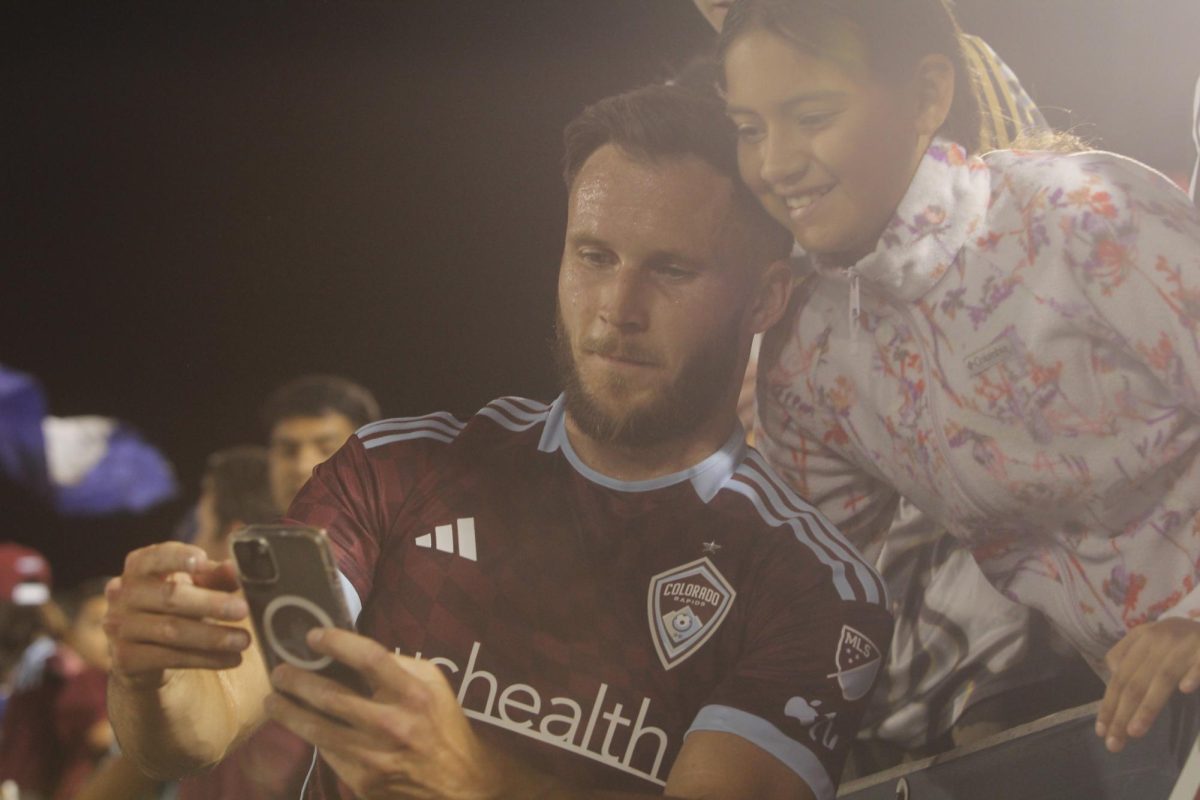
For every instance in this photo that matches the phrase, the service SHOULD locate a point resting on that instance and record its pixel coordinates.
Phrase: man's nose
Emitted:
(624, 300)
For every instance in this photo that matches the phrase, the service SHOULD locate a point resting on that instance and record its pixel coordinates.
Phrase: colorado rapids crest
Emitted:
(686, 606)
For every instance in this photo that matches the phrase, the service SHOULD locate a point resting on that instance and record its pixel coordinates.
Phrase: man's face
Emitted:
(714, 11)
(653, 319)
(297, 445)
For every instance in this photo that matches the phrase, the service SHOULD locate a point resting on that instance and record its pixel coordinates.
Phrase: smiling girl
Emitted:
(1011, 341)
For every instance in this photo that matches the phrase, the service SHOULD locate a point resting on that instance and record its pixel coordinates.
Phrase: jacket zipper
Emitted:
(855, 307)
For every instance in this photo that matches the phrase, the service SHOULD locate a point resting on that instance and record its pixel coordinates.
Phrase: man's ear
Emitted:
(774, 291)
(933, 84)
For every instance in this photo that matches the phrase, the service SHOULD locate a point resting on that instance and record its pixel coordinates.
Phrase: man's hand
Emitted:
(1147, 666)
(172, 624)
(409, 739)
(166, 611)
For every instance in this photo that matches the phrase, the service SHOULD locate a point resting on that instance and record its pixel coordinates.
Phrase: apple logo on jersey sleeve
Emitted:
(686, 605)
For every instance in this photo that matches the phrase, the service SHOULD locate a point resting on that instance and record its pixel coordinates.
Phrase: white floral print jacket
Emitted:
(1020, 357)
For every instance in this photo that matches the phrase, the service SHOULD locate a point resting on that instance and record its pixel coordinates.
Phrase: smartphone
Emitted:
(291, 585)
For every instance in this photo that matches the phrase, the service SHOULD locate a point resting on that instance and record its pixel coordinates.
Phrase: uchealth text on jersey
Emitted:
(599, 734)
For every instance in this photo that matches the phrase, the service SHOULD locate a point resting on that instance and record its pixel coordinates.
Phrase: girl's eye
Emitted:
(749, 133)
(815, 119)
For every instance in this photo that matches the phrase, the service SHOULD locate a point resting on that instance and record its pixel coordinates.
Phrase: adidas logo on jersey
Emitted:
(444, 537)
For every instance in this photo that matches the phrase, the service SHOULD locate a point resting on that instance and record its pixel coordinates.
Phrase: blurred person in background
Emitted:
(27, 616)
(236, 491)
(307, 420)
(56, 727)
(965, 661)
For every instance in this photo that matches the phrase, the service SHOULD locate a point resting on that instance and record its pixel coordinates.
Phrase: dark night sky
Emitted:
(202, 200)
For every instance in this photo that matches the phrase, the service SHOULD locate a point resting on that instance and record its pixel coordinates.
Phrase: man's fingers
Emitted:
(165, 558)
(184, 599)
(327, 735)
(386, 723)
(222, 576)
(135, 658)
(366, 656)
(178, 632)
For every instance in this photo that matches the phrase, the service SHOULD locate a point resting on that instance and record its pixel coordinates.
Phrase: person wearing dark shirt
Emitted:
(306, 420)
(607, 593)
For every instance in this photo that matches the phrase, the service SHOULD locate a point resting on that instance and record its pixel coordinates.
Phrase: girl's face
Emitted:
(828, 149)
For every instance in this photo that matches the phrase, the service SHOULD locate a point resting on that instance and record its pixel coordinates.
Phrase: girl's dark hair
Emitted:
(897, 34)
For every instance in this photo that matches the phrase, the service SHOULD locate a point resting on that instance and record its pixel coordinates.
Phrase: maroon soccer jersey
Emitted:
(588, 624)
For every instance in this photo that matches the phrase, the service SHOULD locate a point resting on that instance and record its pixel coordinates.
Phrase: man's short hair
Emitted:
(318, 395)
(672, 121)
(241, 489)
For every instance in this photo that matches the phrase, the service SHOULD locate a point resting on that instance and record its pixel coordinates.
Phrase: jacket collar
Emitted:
(943, 207)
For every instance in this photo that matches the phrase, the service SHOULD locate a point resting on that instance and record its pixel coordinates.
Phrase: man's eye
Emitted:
(595, 258)
(674, 272)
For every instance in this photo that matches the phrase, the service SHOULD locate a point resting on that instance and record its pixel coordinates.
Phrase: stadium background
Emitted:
(202, 200)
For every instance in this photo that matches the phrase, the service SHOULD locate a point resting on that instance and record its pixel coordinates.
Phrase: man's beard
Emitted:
(679, 408)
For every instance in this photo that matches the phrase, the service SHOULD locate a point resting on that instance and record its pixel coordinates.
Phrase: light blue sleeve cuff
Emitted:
(765, 735)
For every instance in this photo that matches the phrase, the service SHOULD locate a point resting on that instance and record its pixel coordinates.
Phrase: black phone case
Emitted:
(305, 594)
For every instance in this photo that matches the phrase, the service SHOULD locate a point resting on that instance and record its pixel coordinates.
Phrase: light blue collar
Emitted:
(707, 477)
